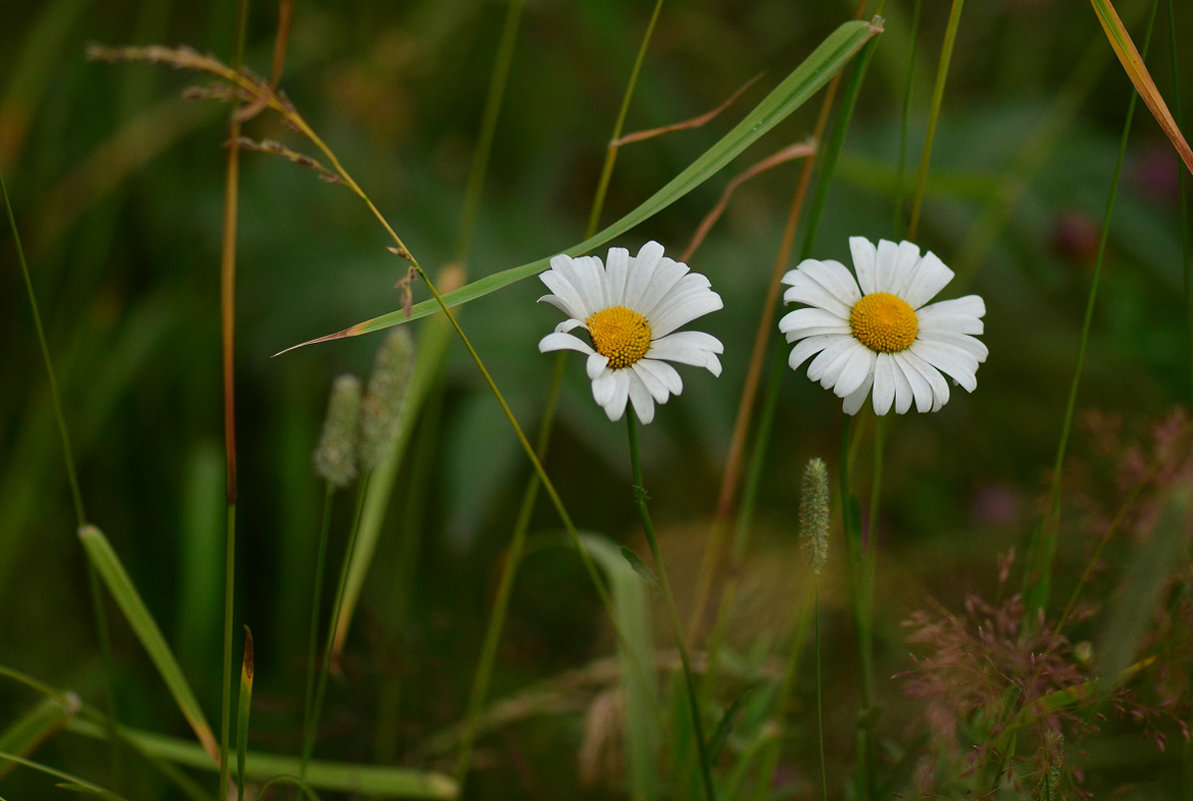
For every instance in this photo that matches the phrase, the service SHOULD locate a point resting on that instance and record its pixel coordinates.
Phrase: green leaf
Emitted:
(114, 576)
(816, 70)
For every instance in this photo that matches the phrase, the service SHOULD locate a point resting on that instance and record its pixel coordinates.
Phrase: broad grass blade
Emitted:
(1149, 565)
(344, 777)
(825, 61)
(36, 726)
(114, 576)
(628, 589)
(1124, 48)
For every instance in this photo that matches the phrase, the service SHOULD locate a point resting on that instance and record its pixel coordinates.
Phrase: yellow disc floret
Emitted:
(883, 322)
(620, 334)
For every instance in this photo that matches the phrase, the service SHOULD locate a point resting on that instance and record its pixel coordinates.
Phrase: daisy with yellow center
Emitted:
(631, 309)
(879, 332)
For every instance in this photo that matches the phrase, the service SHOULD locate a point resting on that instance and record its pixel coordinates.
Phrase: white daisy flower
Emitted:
(876, 331)
(631, 309)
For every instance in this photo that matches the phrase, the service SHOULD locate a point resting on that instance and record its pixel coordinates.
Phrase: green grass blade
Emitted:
(342, 777)
(825, 61)
(631, 610)
(1136, 69)
(1150, 564)
(71, 782)
(243, 707)
(114, 576)
(34, 727)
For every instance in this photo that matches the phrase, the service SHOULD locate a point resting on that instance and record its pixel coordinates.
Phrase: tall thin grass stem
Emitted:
(312, 723)
(731, 476)
(1041, 551)
(98, 610)
(228, 361)
(598, 201)
(509, 569)
(859, 595)
(640, 498)
(479, 168)
(905, 121)
(313, 638)
(819, 688)
(942, 73)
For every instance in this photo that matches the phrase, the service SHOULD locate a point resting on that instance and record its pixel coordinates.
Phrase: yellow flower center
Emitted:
(620, 334)
(883, 322)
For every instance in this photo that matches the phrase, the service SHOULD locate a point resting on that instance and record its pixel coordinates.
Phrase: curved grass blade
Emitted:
(69, 782)
(1133, 65)
(114, 576)
(36, 726)
(816, 70)
(345, 777)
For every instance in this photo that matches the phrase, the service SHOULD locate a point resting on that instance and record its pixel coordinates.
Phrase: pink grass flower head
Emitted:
(878, 331)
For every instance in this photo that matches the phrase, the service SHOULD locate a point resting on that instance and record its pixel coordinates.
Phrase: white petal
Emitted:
(884, 383)
(617, 265)
(653, 385)
(689, 347)
(667, 376)
(886, 261)
(930, 276)
(968, 306)
(566, 297)
(917, 385)
(974, 348)
(807, 348)
(854, 401)
(559, 341)
(804, 290)
(811, 317)
(834, 352)
(832, 275)
(589, 277)
(906, 264)
(641, 270)
(666, 276)
(597, 365)
(670, 315)
(939, 387)
(640, 397)
(615, 395)
(904, 394)
(570, 324)
(855, 372)
(864, 262)
(604, 387)
(953, 362)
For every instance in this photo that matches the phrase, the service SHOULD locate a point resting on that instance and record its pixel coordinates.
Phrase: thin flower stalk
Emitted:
(1037, 579)
(640, 497)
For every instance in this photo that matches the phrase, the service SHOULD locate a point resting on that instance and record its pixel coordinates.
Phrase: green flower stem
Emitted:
(914, 37)
(1041, 552)
(942, 72)
(669, 601)
(313, 638)
(229, 597)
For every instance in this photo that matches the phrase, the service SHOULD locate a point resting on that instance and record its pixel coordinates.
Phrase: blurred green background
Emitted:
(117, 185)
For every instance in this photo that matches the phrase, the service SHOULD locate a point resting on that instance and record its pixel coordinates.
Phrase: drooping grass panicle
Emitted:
(814, 514)
(334, 459)
(384, 397)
